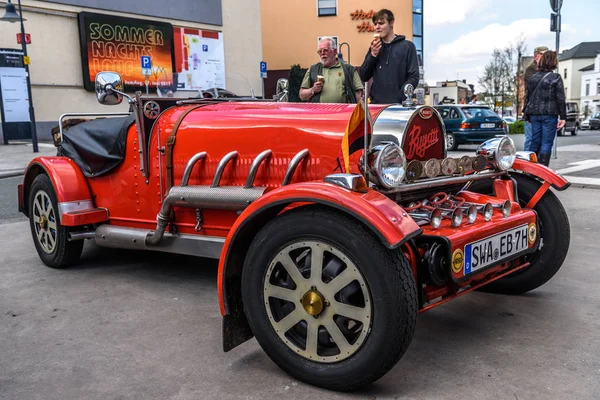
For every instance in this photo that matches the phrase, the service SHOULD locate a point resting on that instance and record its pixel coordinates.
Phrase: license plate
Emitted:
(492, 249)
(488, 125)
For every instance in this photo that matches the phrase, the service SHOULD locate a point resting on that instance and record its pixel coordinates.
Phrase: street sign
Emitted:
(27, 38)
(263, 69)
(555, 22)
(556, 5)
(146, 65)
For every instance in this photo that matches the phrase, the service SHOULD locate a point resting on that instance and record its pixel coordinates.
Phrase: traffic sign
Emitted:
(20, 38)
(146, 65)
(263, 69)
(556, 5)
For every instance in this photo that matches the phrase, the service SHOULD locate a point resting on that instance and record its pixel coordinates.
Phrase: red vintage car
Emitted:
(328, 270)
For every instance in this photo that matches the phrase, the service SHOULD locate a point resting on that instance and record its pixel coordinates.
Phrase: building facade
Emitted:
(590, 88)
(194, 45)
(571, 62)
(450, 92)
(290, 34)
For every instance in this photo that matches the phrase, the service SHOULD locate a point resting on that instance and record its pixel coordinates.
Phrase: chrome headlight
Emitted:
(389, 166)
(499, 152)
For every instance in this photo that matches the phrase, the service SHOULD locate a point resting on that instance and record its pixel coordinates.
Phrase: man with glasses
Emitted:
(330, 81)
(391, 61)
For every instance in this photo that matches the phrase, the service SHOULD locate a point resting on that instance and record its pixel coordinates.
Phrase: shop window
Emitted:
(326, 7)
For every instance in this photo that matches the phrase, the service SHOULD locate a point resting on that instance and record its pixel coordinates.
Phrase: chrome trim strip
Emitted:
(255, 165)
(68, 206)
(301, 155)
(348, 181)
(431, 183)
(221, 167)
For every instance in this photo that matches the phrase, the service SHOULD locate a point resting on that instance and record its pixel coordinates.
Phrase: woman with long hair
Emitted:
(545, 107)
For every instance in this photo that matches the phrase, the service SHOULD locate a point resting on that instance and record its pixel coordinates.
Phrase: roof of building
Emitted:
(588, 68)
(582, 50)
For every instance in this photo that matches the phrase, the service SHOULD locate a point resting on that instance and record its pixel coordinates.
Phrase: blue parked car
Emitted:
(469, 124)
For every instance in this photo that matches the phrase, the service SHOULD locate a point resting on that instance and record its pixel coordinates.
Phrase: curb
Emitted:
(11, 173)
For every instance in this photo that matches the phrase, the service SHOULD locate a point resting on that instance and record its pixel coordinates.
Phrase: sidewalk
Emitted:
(578, 163)
(15, 157)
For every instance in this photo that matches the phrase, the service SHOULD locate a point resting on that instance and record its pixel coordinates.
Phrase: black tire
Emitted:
(49, 236)
(451, 144)
(389, 283)
(575, 130)
(553, 228)
(561, 131)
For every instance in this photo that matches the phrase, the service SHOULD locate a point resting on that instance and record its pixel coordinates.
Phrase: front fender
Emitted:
(383, 216)
(71, 186)
(542, 172)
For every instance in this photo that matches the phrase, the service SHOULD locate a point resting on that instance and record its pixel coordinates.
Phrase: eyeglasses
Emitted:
(321, 51)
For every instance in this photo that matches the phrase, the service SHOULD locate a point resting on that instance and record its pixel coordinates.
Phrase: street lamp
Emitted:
(12, 16)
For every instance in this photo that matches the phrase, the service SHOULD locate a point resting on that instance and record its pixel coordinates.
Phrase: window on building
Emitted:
(418, 28)
(418, 6)
(598, 87)
(326, 7)
(587, 88)
(565, 74)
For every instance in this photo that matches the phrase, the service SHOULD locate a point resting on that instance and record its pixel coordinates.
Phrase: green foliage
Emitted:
(295, 79)
(517, 127)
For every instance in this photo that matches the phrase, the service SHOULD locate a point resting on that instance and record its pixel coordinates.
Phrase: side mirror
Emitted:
(109, 88)
(282, 89)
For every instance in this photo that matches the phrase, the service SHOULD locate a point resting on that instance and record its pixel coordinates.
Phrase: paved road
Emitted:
(8, 198)
(130, 325)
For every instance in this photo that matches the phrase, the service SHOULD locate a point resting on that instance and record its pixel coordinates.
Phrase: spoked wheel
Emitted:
(49, 236)
(326, 315)
(554, 236)
(326, 301)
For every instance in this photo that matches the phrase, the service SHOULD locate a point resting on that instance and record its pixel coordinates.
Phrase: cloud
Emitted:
(444, 12)
(472, 45)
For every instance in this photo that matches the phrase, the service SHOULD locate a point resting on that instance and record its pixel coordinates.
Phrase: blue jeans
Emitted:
(527, 136)
(543, 132)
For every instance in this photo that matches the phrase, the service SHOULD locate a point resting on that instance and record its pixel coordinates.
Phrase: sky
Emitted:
(460, 35)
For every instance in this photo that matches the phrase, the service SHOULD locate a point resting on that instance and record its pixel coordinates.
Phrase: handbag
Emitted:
(526, 115)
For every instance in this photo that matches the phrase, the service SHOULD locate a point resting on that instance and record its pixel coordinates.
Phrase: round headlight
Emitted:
(390, 166)
(506, 153)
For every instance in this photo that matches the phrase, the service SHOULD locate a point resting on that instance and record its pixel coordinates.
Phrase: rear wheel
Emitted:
(575, 130)
(554, 234)
(326, 301)
(49, 236)
(451, 142)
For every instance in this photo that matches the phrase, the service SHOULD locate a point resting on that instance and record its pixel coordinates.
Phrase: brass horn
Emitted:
(504, 208)
(434, 217)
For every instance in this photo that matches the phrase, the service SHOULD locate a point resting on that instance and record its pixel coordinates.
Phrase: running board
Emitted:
(132, 238)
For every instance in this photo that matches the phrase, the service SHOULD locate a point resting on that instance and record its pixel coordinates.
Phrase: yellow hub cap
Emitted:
(43, 222)
(313, 302)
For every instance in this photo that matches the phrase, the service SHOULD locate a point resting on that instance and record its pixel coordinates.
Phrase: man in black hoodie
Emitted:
(391, 61)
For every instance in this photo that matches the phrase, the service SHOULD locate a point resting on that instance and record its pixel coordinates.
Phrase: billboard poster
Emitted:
(199, 59)
(110, 43)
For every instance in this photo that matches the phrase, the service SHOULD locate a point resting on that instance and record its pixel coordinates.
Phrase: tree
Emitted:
(500, 80)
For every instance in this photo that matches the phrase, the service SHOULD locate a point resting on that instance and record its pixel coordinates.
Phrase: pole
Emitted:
(366, 144)
(555, 147)
(34, 139)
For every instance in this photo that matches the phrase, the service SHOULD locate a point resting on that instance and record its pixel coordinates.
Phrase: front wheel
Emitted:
(327, 302)
(554, 235)
(451, 142)
(49, 236)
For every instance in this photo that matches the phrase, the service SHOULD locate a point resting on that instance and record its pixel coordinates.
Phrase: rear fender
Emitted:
(385, 218)
(71, 186)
